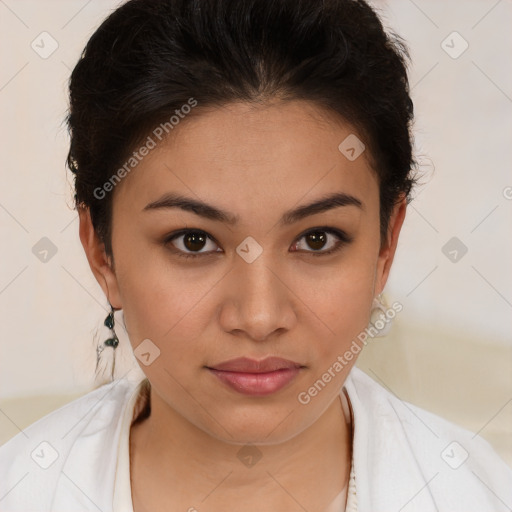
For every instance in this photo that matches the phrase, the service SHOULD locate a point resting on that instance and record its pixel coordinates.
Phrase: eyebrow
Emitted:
(328, 202)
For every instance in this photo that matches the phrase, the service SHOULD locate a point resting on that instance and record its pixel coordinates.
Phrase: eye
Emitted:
(190, 240)
(190, 243)
(318, 238)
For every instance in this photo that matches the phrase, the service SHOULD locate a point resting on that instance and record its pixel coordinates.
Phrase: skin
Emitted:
(255, 162)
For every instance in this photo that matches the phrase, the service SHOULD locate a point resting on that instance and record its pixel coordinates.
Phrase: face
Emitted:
(254, 274)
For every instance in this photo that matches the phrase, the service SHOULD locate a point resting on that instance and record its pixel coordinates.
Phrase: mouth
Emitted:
(256, 378)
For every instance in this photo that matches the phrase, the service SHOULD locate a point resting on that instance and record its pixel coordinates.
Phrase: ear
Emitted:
(97, 258)
(387, 251)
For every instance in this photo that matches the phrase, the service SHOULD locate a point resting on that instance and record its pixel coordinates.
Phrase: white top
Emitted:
(405, 459)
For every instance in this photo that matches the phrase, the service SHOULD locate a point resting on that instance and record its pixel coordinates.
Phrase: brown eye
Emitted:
(318, 238)
(194, 241)
(191, 243)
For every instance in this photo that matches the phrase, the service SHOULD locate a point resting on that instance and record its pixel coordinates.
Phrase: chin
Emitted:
(256, 428)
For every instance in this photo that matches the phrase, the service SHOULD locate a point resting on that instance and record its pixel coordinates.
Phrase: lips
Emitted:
(246, 365)
(257, 378)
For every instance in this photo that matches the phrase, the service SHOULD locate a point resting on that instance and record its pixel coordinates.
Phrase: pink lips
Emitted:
(258, 378)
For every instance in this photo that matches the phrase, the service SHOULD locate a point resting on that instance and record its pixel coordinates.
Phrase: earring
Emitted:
(113, 341)
(379, 319)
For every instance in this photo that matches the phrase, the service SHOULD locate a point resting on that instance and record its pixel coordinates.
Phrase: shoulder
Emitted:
(82, 434)
(403, 452)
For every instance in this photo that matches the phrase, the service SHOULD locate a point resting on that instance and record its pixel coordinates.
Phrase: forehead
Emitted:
(243, 155)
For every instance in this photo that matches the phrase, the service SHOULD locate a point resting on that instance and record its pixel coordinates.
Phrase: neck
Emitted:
(173, 461)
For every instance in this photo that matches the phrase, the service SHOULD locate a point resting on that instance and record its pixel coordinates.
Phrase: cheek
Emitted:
(341, 307)
(155, 303)
(341, 293)
(164, 302)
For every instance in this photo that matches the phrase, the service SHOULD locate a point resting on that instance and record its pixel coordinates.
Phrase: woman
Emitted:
(243, 170)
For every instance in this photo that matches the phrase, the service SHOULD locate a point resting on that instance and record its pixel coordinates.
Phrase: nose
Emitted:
(258, 302)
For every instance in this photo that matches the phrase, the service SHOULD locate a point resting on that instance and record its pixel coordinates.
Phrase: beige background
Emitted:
(450, 350)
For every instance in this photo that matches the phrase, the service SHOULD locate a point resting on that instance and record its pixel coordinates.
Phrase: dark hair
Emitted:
(150, 57)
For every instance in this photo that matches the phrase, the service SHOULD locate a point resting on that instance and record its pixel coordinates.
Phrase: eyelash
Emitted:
(344, 239)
